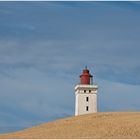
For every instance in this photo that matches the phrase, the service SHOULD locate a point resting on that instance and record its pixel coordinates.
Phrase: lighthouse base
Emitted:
(85, 104)
(85, 99)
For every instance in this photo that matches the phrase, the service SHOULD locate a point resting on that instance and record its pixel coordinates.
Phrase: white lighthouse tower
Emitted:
(85, 94)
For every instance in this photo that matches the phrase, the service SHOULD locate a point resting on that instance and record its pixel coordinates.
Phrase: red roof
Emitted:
(85, 77)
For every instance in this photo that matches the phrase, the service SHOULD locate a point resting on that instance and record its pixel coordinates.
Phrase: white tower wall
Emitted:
(86, 99)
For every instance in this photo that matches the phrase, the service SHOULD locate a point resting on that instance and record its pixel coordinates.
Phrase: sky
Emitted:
(44, 46)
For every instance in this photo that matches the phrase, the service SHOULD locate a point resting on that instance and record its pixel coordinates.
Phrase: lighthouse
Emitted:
(85, 94)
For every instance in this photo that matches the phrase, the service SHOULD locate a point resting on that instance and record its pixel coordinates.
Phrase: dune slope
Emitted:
(97, 125)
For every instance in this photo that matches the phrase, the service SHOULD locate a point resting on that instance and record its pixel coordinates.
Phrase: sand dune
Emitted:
(98, 125)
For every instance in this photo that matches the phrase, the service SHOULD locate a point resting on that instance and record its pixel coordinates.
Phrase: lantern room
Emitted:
(86, 77)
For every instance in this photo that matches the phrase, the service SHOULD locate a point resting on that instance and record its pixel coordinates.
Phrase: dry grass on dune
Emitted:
(98, 125)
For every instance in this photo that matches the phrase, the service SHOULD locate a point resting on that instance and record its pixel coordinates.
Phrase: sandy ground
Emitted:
(98, 125)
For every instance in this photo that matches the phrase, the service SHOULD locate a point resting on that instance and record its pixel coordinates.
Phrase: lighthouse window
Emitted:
(87, 99)
(84, 91)
(87, 108)
(89, 91)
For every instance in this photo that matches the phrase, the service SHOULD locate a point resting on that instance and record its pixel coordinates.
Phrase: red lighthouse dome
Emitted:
(86, 77)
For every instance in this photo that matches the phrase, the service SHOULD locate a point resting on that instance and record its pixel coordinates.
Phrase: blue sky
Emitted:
(44, 47)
